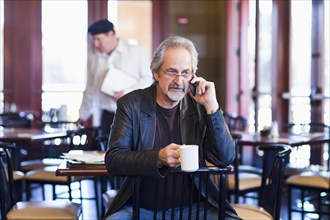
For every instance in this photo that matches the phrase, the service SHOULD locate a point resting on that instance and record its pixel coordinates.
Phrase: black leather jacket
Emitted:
(132, 136)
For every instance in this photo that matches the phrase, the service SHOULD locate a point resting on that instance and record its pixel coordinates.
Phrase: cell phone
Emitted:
(193, 88)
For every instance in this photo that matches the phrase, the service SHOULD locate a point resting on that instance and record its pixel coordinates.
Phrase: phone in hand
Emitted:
(193, 88)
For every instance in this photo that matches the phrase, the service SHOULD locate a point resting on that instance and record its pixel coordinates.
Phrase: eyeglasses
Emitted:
(174, 72)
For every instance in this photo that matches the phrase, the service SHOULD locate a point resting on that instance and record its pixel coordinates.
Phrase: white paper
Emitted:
(116, 81)
(87, 157)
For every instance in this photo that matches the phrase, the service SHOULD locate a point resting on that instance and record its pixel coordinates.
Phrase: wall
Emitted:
(206, 27)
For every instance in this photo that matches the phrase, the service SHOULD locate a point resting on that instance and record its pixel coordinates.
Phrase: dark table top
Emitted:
(254, 139)
(27, 135)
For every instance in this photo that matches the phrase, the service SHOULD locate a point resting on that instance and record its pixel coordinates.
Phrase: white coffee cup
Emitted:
(189, 157)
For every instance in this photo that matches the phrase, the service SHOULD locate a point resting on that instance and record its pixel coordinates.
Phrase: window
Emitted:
(64, 58)
(260, 75)
(302, 73)
(300, 61)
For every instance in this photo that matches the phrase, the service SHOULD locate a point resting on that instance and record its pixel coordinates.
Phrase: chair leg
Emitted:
(80, 191)
(302, 193)
(289, 202)
(70, 191)
(54, 191)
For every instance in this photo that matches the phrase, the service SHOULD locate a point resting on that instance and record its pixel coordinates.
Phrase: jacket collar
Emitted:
(187, 106)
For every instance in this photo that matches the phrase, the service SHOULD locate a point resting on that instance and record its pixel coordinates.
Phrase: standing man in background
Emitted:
(111, 53)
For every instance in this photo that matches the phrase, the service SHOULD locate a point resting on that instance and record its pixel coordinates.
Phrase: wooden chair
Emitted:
(270, 195)
(313, 194)
(16, 120)
(310, 183)
(45, 174)
(110, 184)
(10, 209)
(204, 174)
(245, 180)
(18, 176)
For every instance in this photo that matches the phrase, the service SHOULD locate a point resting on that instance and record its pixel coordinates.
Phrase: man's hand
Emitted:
(169, 155)
(206, 95)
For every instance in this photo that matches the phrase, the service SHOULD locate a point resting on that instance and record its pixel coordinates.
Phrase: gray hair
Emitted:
(171, 42)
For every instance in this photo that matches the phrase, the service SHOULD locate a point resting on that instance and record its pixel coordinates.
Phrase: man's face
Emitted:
(105, 42)
(173, 77)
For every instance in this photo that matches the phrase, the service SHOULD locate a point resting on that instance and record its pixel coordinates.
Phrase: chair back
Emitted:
(68, 125)
(275, 159)
(78, 138)
(102, 141)
(16, 120)
(236, 163)
(84, 138)
(7, 192)
(235, 122)
(201, 178)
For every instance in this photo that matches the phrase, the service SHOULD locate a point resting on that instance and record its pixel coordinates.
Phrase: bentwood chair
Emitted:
(205, 177)
(18, 176)
(10, 209)
(309, 187)
(247, 178)
(16, 120)
(110, 184)
(312, 190)
(270, 196)
(245, 181)
(79, 139)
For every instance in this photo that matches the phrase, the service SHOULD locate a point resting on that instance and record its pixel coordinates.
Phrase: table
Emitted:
(26, 136)
(254, 139)
(97, 171)
(294, 140)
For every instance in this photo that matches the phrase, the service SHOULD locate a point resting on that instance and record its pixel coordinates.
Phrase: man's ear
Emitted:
(155, 75)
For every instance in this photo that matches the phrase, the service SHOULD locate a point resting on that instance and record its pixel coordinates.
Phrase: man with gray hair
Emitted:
(151, 124)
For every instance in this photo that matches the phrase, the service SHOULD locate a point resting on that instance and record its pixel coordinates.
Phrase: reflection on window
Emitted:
(64, 56)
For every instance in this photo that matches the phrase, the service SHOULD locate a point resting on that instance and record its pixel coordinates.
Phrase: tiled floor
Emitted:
(89, 206)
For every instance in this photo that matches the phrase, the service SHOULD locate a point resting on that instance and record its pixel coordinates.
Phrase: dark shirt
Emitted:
(167, 132)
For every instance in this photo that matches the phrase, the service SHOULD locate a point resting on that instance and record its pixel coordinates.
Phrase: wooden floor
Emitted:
(89, 206)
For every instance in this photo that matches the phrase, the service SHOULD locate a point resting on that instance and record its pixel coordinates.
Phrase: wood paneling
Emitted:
(22, 54)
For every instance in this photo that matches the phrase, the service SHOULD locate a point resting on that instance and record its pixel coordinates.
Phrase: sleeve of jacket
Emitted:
(125, 156)
(219, 146)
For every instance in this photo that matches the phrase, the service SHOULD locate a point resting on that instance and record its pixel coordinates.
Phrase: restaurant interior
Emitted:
(269, 60)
